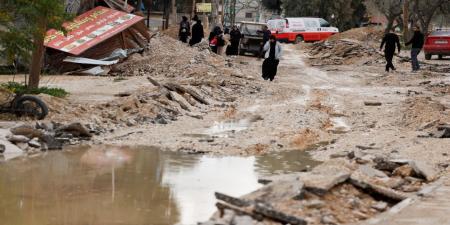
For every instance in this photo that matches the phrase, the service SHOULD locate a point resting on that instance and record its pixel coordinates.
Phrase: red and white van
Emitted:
(301, 29)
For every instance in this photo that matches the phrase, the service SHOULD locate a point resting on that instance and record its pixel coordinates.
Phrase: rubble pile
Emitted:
(343, 52)
(43, 136)
(339, 191)
(355, 46)
(186, 81)
(423, 113)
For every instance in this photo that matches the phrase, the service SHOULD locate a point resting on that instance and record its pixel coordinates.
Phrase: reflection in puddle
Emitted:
(220, 128)
(112, 185)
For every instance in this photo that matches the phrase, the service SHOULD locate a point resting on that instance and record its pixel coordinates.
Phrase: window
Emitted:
(249, 15)
(324, 23)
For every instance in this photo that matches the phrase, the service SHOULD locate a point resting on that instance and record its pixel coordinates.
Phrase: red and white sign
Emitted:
(90, 29)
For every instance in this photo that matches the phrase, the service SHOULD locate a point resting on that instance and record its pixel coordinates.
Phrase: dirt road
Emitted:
(314, 108)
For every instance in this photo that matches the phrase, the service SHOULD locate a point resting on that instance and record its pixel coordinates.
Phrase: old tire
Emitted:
(31, 106)
(441, 57)
(427, 56)
(298, 39)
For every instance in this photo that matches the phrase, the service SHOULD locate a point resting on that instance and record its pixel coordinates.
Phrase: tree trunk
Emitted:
(193, 9)
(173, 10)
(36, 62)
(405, 20)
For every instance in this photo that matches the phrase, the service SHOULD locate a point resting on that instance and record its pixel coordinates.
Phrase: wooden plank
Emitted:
(143, 30)
(142, 43)
(240, 211)
(232, 200)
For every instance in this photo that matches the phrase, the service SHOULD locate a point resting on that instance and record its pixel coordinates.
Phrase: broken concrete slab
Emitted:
(278, 191)
(360, 180)
(10, 150)
(275, 178)
(371, 172)
(26, 130)
(424, 169)
(327, 175)
(18, 138)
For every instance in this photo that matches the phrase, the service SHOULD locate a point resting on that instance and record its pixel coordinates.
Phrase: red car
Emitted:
(437, 43)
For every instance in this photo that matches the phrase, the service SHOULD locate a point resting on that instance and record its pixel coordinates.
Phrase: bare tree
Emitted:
(424, 11)
(392, 9)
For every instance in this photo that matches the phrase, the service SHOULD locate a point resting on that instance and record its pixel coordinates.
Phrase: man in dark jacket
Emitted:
(235, 37)
(197, 33)
(417, 42)
(185, 29)
(390, 39)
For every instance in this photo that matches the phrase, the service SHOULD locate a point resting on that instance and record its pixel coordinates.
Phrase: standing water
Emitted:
(107, 185)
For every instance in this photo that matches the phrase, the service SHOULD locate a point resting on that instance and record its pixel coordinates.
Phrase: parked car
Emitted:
(301, 29)
(437, 43)
(252, 37)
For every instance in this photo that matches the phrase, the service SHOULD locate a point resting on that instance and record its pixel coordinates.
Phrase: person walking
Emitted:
(184, 31)
(417, 42)
(222, 42)
(197, 33)
(213, 38)
(235, 37)
(390, 40)
(272, 58)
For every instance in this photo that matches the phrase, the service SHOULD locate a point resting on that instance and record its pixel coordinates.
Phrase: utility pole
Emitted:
(149, 6)
(405, 20)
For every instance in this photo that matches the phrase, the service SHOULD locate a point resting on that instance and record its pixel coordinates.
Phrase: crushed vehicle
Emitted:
(252, 37)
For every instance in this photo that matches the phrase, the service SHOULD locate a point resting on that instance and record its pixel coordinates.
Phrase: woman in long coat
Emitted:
(272, 58)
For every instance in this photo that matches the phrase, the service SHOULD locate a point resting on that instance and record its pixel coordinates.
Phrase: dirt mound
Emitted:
(343, 52)
(355, 46)
(363, 34)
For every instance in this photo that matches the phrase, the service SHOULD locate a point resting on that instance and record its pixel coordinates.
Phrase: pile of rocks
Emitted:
(343, 52)
(44, 136)
(338, 191)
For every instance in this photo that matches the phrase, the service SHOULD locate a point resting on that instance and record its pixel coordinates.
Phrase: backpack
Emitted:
(184, 27)
(213, 42)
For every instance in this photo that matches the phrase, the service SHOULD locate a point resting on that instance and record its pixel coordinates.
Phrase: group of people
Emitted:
(226, 42)
(221, 41)
(391, 41)
(197, 33)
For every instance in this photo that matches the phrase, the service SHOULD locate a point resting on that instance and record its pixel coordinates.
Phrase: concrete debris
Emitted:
(18, 138)
(43, 136)
(278, 191)
(308, 197)
(424, 169)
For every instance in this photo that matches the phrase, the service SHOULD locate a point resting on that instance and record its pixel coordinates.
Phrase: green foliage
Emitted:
(344, 14)
(25, 22)
(22, 89)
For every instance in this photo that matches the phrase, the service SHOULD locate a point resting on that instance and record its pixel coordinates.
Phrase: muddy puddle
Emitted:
(106, 185)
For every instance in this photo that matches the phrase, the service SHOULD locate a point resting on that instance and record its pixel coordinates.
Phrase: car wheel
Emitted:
(427, 56)
(441, 56)
(298, 39)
